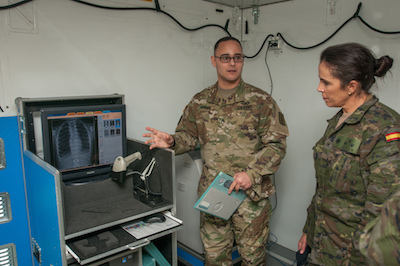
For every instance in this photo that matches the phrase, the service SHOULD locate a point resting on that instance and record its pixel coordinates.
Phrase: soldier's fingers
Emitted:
(237, 188)
(232, 187)
(302, 243)
(147, 135)
(152, 130)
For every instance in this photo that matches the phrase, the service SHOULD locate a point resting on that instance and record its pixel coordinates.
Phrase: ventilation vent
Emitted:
(8, 255)
(5, 209)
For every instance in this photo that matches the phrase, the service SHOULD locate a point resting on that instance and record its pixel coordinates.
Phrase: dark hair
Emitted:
(224, 39)
(353, 61)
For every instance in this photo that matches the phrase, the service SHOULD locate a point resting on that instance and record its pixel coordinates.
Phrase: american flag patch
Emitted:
(392, 136)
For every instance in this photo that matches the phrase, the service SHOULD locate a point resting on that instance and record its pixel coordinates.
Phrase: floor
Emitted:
(271, 261)
(277, 255)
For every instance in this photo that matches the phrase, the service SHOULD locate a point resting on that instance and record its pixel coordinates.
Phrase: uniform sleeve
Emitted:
(308, 228)
(273, 132)
(380, 240)
(384, 166)
(186, 133)
(382, 177)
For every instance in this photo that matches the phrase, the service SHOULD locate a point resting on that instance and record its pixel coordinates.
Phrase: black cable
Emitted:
(265, 40)
(158, 9)
(115, 8)
(15, 4)
(157, 5)
(374, 29)
(154, 9)
(358, 10)
(226, 24)
(355, 15)
(225, 29)
(316, 45)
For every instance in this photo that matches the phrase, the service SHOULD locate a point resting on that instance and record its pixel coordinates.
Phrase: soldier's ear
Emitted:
(213, 61)
(353, 86)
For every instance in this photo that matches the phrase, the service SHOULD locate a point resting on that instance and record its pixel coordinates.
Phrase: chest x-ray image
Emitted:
(74, 142)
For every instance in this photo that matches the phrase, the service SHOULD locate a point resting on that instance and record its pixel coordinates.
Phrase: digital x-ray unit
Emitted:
(82, 142)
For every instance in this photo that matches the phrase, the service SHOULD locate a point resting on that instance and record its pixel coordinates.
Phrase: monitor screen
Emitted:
(82, 142)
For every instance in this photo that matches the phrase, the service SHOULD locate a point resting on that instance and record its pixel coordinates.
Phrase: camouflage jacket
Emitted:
(356, 165)
(380, 241)
(247, 132)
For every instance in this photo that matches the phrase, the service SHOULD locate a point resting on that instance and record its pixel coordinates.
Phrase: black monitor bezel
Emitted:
(81, 176)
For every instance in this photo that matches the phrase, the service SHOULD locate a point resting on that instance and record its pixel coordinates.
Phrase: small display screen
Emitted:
(83, 140)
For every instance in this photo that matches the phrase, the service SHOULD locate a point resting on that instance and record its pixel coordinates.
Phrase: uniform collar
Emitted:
(359, 113)
(238, 96)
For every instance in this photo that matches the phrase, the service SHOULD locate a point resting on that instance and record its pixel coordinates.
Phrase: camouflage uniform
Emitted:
(356, 166)
(244, 133)
(380, 241)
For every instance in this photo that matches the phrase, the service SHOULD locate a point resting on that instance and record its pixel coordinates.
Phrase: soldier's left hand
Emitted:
(242, 181)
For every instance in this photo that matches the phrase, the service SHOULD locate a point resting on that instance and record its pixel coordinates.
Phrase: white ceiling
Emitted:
(245, 3)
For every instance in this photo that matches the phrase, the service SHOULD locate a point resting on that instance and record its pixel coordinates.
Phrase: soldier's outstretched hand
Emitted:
(158, 139)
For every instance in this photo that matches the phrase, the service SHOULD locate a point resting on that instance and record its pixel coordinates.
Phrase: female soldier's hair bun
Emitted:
(382, 65)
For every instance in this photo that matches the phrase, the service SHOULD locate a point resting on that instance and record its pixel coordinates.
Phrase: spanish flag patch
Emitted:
(392, 136)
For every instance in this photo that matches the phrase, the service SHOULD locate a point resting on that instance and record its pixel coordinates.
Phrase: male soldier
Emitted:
(380, 240)
(241, 132)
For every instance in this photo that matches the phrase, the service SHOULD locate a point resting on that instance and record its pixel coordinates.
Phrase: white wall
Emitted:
(53, 48)
(75, 49)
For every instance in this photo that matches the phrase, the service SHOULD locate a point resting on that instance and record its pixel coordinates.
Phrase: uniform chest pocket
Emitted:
(230, 125)
(246, 128)
(320, 161)
(344, 164)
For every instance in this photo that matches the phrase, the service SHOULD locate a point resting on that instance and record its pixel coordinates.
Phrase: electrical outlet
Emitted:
(274, 45)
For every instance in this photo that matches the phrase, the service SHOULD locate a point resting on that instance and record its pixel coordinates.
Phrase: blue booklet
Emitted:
(216, 200)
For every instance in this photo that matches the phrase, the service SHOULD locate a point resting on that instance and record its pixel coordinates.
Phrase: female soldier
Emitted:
(356, 161)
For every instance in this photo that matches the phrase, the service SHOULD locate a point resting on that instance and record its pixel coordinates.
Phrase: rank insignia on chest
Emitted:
(392, 136)
(245, 107)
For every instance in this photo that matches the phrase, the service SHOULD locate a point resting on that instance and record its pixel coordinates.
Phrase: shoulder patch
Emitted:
(282, 119)
(392, 136)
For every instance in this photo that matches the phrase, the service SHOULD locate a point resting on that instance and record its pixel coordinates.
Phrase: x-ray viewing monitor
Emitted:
(82, 142)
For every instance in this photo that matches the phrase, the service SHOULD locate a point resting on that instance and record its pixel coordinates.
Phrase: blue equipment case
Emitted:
(14, 227)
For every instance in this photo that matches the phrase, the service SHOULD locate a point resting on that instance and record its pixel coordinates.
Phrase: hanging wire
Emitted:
(15, 4)
(269, 72)
(158, 9)
(377, 30)
(355, 16)
(262, 46)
